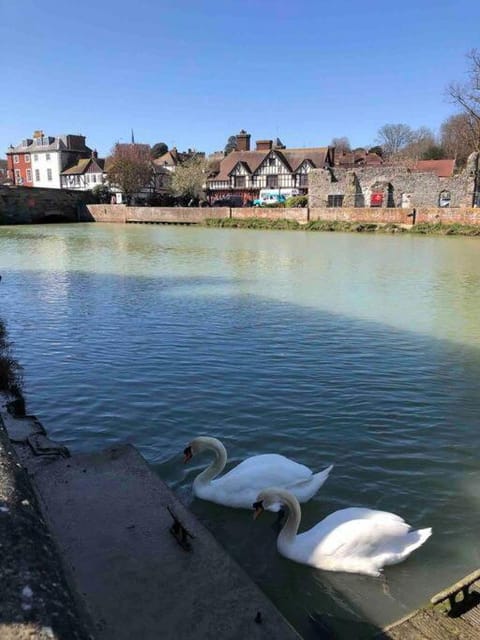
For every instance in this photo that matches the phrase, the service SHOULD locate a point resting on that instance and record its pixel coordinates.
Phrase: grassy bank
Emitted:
(339, 225)
(11, 380)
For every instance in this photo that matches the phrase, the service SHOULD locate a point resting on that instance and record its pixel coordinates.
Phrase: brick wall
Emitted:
(300, 215)
(179, 215)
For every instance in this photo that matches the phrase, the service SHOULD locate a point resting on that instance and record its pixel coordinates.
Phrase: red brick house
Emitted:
(19, 164)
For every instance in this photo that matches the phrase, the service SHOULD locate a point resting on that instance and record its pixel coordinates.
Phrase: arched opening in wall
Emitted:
(444, 198)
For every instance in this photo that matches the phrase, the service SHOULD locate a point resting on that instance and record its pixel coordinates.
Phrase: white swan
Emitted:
(354, 540)
(240, 486)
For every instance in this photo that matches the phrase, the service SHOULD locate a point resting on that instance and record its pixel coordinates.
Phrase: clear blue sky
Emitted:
(193, 72)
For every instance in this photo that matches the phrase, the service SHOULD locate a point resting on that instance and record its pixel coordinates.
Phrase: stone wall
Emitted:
(30, 205)
(399, 186)
(381, 215)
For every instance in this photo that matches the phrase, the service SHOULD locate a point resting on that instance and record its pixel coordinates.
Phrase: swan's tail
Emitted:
(306, 489)
(417, 538)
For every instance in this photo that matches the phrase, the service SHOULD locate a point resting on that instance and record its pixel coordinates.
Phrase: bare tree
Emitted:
(130, 168)
(188, 179)
(341, 144)
(394, 137)
(421, 145)
(467, 95)
(460, 135)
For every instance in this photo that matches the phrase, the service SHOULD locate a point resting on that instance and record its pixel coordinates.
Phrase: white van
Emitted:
(273, 196)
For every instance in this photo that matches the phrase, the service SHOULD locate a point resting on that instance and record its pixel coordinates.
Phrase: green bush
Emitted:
(297, 201)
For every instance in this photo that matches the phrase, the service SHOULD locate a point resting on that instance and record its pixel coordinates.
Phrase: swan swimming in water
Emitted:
(354, 540)
(239, 487)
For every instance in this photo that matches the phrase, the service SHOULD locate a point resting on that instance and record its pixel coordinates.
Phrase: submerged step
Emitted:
(111, 516)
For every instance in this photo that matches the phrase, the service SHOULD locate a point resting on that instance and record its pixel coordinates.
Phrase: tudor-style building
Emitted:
(85, 174)
(243, 172)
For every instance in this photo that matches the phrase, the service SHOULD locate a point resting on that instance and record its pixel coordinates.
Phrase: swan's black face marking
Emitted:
(259, 509)
(187, 454)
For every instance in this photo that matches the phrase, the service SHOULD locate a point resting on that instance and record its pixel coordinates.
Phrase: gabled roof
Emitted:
(442, 168)
(293, 158)
(82, 165)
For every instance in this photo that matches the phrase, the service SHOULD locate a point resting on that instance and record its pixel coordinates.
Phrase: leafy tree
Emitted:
(159, 149)
(130, 168)
(434, 152)
(231, 145)
(394, 137)
(341, 144)
(188, 180)
(377, 149)
(101, 193)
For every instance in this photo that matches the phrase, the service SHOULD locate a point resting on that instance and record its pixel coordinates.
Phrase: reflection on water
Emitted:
(362, 351)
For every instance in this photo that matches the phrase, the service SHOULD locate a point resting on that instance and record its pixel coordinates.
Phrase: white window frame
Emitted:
(35, 156)
(27, 157)
(49, 175)
(29, 175)
(16, 159)
(18, 175)
(47, 156)
(37, 175)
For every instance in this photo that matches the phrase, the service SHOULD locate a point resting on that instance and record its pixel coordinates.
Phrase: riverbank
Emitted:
(344, 226)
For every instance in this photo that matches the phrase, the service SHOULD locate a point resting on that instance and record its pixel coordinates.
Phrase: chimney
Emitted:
(243, 141)
(38, 134)
(94, 154)
(264, 145)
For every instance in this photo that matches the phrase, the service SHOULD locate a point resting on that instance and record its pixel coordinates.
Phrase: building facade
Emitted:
(242, 173)
(39, 161)
(85, 174)
(431, 183)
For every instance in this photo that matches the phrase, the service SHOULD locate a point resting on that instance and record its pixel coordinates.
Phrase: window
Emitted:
(37, 175)
(48, 156)
(18, 176)
(335, 201)
(444, 199)
(15, 159)
(302, 179)
(272, 182)
(239, 181)
(94, 177)
(35, 156)
(87, 178)
(29, 175)
(271, 161)
(27, 157)
(49, 174)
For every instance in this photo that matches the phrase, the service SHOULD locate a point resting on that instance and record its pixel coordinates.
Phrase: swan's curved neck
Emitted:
(290, 528)
(218, 463)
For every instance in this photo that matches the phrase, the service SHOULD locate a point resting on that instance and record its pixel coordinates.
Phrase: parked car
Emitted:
(228, 201)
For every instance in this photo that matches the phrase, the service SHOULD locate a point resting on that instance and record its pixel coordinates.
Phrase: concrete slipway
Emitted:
(130, 577)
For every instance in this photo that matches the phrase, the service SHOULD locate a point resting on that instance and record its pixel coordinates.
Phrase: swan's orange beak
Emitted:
(187, 454)
(258, 506)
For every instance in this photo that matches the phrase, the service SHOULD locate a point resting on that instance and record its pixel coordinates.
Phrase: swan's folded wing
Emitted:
(362, 537)
(260, 472)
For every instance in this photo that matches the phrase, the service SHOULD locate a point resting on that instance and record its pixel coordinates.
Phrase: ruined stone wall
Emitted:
(399, 186)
